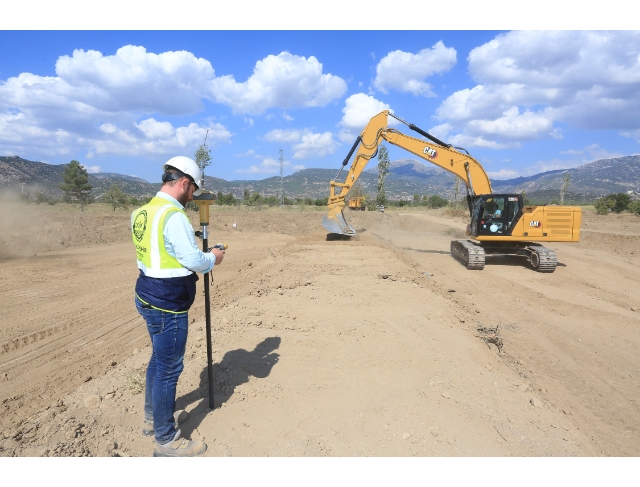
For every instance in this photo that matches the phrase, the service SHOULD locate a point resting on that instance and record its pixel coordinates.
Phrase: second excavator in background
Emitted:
(500, 223)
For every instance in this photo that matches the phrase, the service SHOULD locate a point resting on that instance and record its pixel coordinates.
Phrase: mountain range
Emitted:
(406, 178)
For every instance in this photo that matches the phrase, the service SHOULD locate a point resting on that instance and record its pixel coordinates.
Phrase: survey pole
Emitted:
(203, 201)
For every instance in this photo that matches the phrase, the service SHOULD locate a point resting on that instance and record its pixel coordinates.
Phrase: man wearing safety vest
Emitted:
(168, 259)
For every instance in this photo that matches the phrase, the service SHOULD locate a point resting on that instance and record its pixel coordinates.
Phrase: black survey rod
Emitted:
(207, 314)
(203, 201)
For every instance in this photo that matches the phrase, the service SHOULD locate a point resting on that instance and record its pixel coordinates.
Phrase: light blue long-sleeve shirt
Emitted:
(180, 240)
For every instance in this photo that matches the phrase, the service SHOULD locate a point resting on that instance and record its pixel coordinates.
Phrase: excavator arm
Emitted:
(435, 151)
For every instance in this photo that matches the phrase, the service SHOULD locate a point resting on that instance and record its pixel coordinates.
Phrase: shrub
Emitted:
(41, 198)
(617, 203)
(436, 201)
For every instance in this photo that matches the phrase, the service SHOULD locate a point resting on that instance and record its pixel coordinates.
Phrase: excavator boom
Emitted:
(443, 155)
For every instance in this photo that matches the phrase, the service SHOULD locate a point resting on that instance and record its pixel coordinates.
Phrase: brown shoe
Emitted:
(179, 417)
(180, 447)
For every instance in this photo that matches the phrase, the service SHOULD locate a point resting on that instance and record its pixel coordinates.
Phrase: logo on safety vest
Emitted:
(140, 225)
(432, 153)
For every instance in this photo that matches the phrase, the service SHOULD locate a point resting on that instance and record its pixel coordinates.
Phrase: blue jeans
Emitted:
(168, 332)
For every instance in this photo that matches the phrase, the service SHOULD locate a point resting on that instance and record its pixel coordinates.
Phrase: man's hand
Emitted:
(219, 255)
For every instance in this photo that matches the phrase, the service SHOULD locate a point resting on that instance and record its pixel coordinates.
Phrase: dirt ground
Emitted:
(381, 345)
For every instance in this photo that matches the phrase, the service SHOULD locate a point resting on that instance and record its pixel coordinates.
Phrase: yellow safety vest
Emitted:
(148, 236)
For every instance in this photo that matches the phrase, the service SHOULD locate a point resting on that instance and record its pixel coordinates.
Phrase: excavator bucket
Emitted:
(334, 222)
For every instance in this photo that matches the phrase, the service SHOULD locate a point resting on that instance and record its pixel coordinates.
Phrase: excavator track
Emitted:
(468, 254)
(542, 259)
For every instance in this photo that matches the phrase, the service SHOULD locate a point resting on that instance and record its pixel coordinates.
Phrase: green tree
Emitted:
(617, 203)
(271, 200)
(603, 205)
(225, 199)
(566, 180)
(456, 193)
(76, 184)
(383, 170)
(622, 201)
(202, 155)
(634, 207)
(255, 199)
(436, 201)
(115, 197)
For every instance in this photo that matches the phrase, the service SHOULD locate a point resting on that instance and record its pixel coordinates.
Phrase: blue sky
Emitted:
(521, 102)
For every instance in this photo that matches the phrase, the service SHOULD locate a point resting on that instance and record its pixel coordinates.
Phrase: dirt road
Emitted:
(377, 346)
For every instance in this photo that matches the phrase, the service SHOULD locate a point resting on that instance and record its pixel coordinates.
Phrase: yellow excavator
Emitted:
(501, 224)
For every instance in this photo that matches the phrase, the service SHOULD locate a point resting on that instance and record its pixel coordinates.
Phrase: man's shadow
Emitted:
(235, 368)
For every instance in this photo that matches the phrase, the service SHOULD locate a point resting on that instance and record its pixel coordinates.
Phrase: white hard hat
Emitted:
(189, 167)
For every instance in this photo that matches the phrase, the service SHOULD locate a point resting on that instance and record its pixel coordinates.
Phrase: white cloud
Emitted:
(119, 104)
(269, 165)
(443, 132)
(305, 144)
(249, 152)
(634, 134)
(97, 104)
(286, 135)
(404, 71)
(251, 170)
(503, 174)
(134, 79)
(150, 137)
(357, 112)
(287, 117)
(314, 145)
(529, 80)
(283, 81)
(512, 125)
(596, 152)
(91, 169)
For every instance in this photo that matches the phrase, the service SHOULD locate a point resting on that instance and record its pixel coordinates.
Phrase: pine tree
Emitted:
(76, 185)
(383, 170)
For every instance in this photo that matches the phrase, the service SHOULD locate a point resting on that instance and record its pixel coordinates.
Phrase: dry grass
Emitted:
(137, 381)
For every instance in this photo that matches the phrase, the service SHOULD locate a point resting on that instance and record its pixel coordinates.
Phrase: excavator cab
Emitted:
(495, 214)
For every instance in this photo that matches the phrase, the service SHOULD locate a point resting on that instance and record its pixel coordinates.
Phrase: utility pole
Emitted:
(281, 190)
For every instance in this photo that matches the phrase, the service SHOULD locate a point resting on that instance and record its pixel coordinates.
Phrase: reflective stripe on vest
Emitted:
(148, 237)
